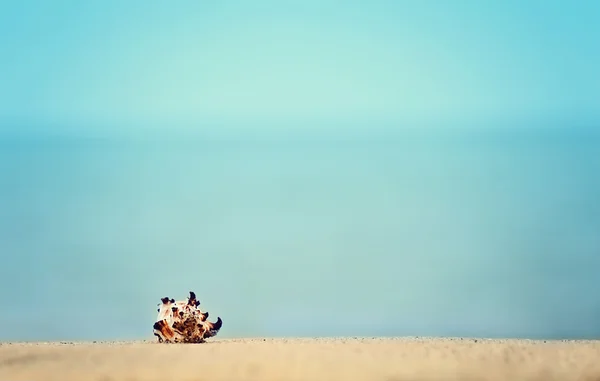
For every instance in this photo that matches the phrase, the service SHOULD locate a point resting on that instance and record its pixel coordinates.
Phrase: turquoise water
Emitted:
(463, 233)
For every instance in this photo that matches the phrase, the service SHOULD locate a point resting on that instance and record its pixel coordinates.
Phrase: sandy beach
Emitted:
(410, 359)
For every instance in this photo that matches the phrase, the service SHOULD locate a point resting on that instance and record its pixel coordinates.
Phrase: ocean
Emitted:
(463, 233)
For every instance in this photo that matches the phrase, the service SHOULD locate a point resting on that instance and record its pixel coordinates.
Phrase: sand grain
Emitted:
(304, 359)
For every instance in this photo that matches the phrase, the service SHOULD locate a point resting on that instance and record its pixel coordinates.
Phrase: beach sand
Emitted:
(410, 359)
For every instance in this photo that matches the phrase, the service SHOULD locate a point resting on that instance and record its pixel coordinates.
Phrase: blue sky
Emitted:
(146, 65)
(441, 233)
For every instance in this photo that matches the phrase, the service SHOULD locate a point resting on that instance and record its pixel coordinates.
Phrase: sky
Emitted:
(140, 66)
(421, 168)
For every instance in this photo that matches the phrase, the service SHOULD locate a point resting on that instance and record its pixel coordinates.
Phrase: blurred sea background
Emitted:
(308, 169)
